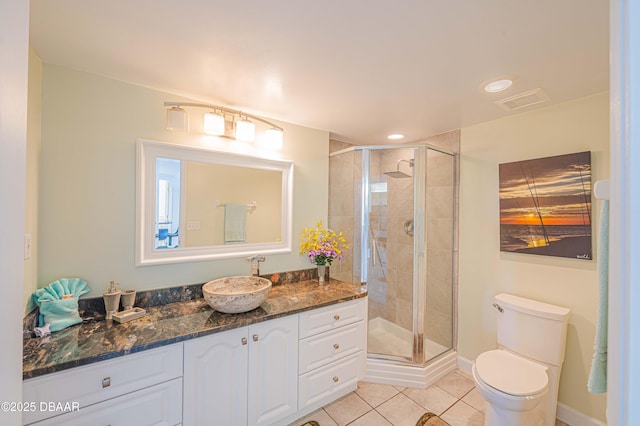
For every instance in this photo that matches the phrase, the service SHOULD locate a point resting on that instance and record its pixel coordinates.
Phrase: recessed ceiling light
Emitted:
(498, 85)
(395, 137)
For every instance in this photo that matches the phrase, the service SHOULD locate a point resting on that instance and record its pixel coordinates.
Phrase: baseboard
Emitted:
(575, 418)
(410, 376)
(564, 413)
(464, 364)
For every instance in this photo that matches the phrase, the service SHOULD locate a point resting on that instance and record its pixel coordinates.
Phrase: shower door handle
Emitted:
(374, 251)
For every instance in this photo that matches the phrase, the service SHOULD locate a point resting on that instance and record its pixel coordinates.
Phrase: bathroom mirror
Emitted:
(198, 204)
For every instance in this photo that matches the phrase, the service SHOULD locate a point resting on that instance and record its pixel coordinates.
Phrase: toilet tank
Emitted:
(534, 329)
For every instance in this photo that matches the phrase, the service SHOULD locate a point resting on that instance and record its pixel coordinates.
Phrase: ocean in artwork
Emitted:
(524, 238)
(545, 206)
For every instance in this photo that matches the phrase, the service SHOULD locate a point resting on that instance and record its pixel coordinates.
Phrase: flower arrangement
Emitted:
(322, 245)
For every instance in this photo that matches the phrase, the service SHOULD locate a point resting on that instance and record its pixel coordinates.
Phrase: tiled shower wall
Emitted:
(442, 239)
(344, 190)
(387, 219)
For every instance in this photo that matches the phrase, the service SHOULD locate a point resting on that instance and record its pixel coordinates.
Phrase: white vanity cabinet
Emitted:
(242, 376)
(332, 352)
(268, 373)
(139, 389)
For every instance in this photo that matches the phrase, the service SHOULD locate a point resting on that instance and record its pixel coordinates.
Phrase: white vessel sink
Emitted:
(233, 295)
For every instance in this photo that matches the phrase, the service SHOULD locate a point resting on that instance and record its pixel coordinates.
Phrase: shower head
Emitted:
(397, 173)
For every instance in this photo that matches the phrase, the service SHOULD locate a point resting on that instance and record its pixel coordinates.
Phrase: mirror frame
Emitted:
(146, 154)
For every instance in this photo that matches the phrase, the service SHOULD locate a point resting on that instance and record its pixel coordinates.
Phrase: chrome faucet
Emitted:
(255, 264)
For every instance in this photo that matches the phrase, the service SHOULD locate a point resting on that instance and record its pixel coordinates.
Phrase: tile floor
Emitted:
(454, 398)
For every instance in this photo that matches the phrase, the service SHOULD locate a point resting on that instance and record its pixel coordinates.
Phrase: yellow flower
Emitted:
(322, 245)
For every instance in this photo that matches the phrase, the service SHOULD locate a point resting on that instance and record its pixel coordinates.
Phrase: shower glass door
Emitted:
(396, 204)
(391, 188)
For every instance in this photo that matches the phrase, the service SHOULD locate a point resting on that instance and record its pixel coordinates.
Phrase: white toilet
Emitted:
(519, 380)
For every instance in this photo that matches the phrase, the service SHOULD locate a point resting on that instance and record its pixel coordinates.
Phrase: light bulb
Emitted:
(214, 123)
(498, 85)
(245, 130)
(273, 138)
(177, 119)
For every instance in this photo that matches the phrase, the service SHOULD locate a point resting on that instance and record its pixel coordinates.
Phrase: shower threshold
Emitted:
(388, 340)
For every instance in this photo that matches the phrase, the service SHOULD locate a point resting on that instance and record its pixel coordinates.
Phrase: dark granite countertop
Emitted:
(95, 341)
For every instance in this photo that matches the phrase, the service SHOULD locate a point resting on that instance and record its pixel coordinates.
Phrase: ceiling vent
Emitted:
(522, 100)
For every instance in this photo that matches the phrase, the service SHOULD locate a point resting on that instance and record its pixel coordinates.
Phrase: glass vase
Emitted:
(321, 272)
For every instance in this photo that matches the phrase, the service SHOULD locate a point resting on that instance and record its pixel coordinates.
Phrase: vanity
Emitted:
(186, 364)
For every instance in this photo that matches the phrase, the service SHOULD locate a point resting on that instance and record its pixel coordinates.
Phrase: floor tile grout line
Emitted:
(384, 417)
(365, 413)
(429, 409)
(385, 401)
(460, 400)
(330, 416)
(468, 392)
(354, 420)
(455, 396)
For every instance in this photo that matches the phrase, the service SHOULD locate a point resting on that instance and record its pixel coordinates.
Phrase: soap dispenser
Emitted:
(111, 300)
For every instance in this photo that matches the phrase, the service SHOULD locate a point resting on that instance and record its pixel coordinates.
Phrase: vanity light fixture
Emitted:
(223, 121)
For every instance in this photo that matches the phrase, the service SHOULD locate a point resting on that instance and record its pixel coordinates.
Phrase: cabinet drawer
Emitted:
(324, 348)
(157, 405)
(322, 383)
(331, 317)
(103, 380)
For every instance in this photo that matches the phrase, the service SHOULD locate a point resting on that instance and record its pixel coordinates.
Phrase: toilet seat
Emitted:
(511, 374)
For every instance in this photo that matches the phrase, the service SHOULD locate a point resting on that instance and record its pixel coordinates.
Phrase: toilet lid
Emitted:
(511, 374)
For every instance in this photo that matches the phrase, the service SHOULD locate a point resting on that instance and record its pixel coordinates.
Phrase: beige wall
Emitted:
(34, 108)
(575, 126)
(87, 202)
(208, 183)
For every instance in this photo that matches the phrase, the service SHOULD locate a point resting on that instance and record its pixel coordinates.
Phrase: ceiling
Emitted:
(361, 69)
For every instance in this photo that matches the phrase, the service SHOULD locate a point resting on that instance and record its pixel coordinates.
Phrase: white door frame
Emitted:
(624, 266)
(14, 59)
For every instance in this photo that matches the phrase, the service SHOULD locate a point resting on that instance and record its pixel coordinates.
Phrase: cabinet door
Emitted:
(273, 370)
(215, 379)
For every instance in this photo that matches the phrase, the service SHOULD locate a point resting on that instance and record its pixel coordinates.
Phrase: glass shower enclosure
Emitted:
(397, 205)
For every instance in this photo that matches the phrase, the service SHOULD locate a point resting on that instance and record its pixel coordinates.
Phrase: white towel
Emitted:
(598, 375)
(235, 220)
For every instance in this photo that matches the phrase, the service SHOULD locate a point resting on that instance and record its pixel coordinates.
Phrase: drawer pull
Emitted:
(336, 346)
(336, 317)
(244, 341)
(335, 379)
(106, 382)
(255, 337)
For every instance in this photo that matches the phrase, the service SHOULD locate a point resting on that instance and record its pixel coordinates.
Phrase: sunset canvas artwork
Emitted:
(545, 206)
